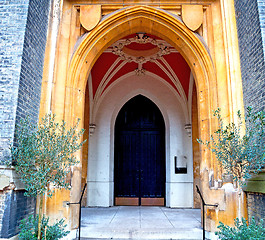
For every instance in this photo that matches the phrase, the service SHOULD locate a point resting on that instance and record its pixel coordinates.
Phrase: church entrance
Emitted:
(141, 49)
(139, 158)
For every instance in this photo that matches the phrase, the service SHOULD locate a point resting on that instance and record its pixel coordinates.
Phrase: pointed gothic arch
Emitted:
(155, 22)
(141, 19)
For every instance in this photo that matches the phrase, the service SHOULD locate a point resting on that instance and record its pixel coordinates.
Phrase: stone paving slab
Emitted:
(132, 222)
(82, 238)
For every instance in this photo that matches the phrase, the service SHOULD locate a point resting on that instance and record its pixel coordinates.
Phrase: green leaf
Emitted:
(45, 153)
(239, 154)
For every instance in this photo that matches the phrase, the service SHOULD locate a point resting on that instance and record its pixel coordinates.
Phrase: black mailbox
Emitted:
(179, 170)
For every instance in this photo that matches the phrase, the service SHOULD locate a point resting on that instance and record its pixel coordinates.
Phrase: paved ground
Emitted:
(140, 223)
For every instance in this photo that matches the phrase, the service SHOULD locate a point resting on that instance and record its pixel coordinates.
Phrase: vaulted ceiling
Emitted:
(138, 54)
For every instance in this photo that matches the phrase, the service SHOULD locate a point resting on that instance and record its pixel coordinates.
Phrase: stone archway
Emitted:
(156, 22)
(170, 28)
(128, 21)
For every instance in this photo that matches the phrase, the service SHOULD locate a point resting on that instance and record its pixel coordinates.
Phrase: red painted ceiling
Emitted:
(167, 68)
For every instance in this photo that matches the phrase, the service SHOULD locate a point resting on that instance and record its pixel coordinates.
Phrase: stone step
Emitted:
(82, 238)
(143, 234)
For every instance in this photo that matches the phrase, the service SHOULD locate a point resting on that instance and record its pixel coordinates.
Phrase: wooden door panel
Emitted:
(152, 202)
(152, 165)
(139, 154)
(127, 174)
(127, 201)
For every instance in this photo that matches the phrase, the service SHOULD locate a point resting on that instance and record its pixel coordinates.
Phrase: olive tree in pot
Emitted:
(239, 148)
(43, 155)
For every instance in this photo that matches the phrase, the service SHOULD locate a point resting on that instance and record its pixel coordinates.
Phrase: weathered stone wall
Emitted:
(251, 50)
(196, 149)
(23, 34)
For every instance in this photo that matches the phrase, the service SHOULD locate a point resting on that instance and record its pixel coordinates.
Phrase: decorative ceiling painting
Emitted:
(141, 54)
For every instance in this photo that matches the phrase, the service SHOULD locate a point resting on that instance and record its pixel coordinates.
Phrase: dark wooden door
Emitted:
(139, 176)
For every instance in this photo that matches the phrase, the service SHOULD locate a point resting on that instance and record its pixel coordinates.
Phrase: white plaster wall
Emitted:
(179, 187)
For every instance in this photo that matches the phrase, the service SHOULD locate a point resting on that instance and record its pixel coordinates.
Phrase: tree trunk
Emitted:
(40, 216)
(241, 200)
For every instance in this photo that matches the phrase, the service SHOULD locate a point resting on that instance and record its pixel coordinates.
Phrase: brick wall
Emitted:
(13, 18)
(23, 33)
(2, 209)
(261, 8)
(256, 205)
(16, 207)
(250, 16)
(32, 60)
(251, 52)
